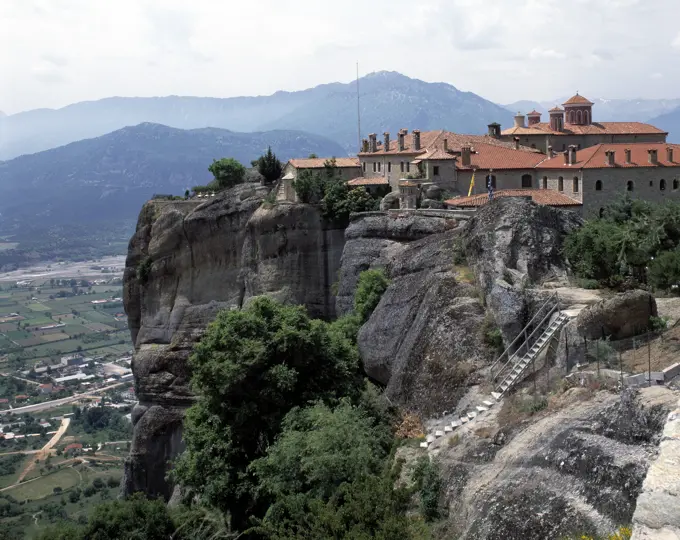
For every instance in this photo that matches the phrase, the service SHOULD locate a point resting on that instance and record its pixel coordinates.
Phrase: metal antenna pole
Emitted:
(358, 111)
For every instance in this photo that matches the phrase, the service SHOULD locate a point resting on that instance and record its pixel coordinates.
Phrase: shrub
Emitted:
(658, 324)
(144, 270)
(429, 484)
(664, 271)
(371, 286)
(227, 172)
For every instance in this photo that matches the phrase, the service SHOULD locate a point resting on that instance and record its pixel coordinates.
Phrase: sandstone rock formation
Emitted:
(624, 315)
(186, 261)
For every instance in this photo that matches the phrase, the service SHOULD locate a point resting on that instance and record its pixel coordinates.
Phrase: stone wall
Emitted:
(560, 143)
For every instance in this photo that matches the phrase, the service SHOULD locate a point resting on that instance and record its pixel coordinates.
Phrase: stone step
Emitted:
(430, 438)
(438, 433)
(488, 403)
(471, 415)
(455, 423)
(496, 395)
(481, 409)
(424, 444)
(448, 429)
(464, 419)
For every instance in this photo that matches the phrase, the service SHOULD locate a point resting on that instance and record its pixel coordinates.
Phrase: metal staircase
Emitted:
(509, 367)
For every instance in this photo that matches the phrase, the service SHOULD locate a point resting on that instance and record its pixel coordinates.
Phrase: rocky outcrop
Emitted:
(624, 315)
(186, 261)
(575, 468)
(512, 244)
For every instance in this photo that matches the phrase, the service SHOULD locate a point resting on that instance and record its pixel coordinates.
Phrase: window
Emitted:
(364, 166)
(389, 166)
(560, 184)
(676, 184)
(629, 185)
(662, 185)
(374, 166)
(564, 146)
(533, 145)
(601, 211)
(493, 181)
(435, 170)
(526, 181)
(379, 166)
(598, 185)
(651, 183)
(571, 117)
(401, 163)
(574, 185)
(586, 117)
(579, 117)
(545, 182)
(408, 167)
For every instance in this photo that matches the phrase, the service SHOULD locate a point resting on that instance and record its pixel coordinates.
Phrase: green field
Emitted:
(43, 486)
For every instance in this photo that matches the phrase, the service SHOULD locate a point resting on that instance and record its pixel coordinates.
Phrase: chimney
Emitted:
(494, 130)
(627, 154)
(387, 141)
(550, 151)
(416, 139)
(404, 131)
(610, 158)
(364, 145)
(669, 154)
(446, 146)
(534, 118)
(465, 155)
(572, 154)
(516, 139)
(653, 156)
(566, 157)
(519, 120)
(400, 140)
(372, 142)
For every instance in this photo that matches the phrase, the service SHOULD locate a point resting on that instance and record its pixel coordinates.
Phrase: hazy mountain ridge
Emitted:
(389, 101)
(110, 177)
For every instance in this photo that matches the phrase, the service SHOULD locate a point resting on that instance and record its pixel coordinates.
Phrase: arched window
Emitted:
(560, 184)
(575, 184)
(676, 184)
(545, 182)
(579, 117)
(571, 117)
(586, 117)
(651, 183)
(493, 181)
(629, 185)
(662, 185)
(527, 181)
(598, 185)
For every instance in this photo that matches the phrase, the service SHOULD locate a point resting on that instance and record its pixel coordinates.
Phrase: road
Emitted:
(20, 379)
(45, 450)
(58, 402)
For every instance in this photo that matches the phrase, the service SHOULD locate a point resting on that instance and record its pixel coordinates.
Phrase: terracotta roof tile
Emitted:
(407, 183)
(318, 163)
(539, 196)
(534, 113)
(577, 100)
(595, 157)
(364, 181)
(556, 108)
(486, 156)
(596, 128)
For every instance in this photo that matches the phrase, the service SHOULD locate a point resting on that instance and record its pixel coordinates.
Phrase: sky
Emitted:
(57, 52)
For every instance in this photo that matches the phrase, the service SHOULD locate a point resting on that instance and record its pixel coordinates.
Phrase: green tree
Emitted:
(251, 368)
(269, 166)
(371, 286)
(309, 186)
(227, 172)
(664, 270)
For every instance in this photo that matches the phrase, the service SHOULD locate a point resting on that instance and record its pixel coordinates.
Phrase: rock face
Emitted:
(575, 470)
(510, 244)
(188, 260)
(622, 316)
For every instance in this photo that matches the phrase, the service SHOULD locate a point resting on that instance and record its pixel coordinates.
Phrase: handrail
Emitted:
(538, 327)
(554, 295)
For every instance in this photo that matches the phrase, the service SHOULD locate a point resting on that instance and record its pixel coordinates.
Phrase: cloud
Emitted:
(676, 42)
(538, 53)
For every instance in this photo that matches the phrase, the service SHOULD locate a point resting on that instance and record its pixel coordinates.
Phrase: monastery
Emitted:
(570, 162)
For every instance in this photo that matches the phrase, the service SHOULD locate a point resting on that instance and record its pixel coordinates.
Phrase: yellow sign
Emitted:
(472, 183)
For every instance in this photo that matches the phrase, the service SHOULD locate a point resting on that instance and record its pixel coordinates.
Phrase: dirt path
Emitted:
(45, 450)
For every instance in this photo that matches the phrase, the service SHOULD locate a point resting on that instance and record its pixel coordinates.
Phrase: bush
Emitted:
(429, 484)
(144, 270)
(658, 324)
(371, 286)
(664, 271)
(227, 172)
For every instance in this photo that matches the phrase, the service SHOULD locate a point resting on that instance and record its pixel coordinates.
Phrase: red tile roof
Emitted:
(596, 128)
(73, 446)
(4, 400)
(319, 163)
(486, 156)
(594, 157)
(577, 100)
(407, 183)
(534, 113)
(556, 108)
(539, 196)
(21, 396)
(364, 181)
(431, 140)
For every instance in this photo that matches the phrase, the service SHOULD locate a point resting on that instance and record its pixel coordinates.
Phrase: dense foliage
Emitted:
(370, 288)
(268, 165)
(251, 368)
(633, 241)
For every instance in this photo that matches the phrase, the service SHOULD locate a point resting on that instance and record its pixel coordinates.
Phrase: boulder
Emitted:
(432, 203)
(624, 315)
(390, 201)
(433, 191)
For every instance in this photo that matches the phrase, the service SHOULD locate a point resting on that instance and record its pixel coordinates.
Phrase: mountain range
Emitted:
(388, 102)
(110, 177)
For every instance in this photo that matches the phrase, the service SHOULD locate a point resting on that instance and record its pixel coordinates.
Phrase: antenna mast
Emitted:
(358, 111)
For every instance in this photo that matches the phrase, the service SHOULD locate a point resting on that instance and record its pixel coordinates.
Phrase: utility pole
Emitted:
(358, 112)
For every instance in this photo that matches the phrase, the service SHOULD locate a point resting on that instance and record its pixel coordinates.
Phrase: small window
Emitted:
(676, 184)
(598, 185)
(601, 211)
(408, 167)
(526, 181)
(379, 165)
(662, 185)
(533, 145)
(364, 166)
(629, 185)
(402, 166)
(564, 146)
(389, 166)
(374, 166)
(435, 170)
(560, 184)
(545, 182)
(575, 185)
(651, 183)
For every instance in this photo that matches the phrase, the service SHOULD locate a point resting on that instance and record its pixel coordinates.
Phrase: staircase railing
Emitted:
(553, 303)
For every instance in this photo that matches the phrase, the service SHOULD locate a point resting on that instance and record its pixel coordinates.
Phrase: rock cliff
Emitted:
(186, 261)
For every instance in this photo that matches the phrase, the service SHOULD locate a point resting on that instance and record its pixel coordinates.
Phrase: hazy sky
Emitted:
(56, 52)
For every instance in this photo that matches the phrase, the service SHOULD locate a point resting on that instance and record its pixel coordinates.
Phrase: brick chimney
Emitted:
(566, 157)
(387, 141)
(364, 145)
(669, 154)
(610, 158)
(516, 139)
(534, 117)
(400, 141)
(494, 130)
(446, 145)
(653, 156)
(627, 154)
(550, 151)
(572, 154)
(519, 120)
(416, 139)
(372, 142)
(465, 155)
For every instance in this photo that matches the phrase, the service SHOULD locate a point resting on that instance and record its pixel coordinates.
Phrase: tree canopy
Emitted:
(227, 172)
(269, 166)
